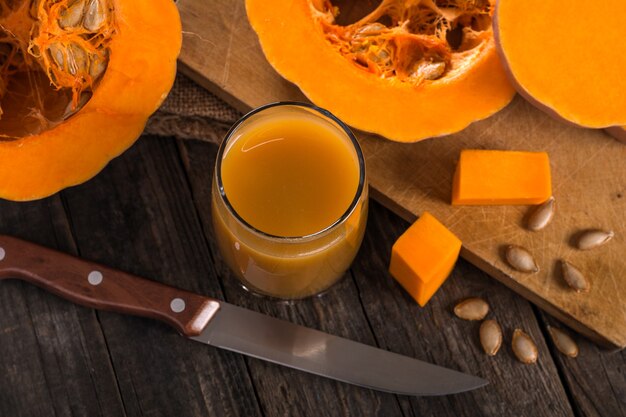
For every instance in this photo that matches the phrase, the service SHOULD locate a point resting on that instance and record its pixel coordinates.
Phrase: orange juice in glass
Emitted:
(289, 200)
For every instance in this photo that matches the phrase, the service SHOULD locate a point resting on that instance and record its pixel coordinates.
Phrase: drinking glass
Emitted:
(289, 267)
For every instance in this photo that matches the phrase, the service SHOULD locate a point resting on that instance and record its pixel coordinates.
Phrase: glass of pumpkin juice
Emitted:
(289, 200)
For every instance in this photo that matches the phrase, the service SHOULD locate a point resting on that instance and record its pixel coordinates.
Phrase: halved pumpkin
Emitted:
(78, 80)
(567, 56)
(408, 70)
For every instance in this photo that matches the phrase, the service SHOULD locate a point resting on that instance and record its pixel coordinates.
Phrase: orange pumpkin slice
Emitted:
(407, 70)
(423, 257)
(567, 56)
(78, 80)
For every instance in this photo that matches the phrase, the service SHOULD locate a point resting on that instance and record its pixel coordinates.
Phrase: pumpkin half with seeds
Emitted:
(78, 80)
(408, 70)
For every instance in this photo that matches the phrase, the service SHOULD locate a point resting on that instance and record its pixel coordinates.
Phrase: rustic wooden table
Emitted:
(148, 213)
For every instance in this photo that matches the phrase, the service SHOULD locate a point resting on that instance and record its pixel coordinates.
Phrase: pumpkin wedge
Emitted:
(567, 57)
(408, 70)
(78, 80)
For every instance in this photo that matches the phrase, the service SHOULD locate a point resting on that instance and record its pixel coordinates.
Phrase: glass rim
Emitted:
(323, 112)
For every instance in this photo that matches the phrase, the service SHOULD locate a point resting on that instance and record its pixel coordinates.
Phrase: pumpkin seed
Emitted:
(594, 238)
(541, 215)
(520, 259)
(524, 347)
(472, 309)
(371, 29)
(98, 64)
(574, 277)
(67, 41)
(95, 16)
(76, 59)
(56, 52)
(72, 15)
(490, 336)
(563, 342)
(430, 70)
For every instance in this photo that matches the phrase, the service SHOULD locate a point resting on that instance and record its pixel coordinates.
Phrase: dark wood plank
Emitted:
(138, 216)
(434, 334)
(53, 357)
(400, 326)
(283, 391)
(596, 379)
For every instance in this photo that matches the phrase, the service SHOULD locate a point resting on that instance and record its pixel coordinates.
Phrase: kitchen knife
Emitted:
(224, 325)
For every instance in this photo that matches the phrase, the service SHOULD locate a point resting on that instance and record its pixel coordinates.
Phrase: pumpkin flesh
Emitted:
(494, 177)
(567, 57)
(407, 70)
(423, 257)
(79, 79)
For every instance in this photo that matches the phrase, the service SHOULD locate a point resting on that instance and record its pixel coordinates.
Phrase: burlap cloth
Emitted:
(191, 112)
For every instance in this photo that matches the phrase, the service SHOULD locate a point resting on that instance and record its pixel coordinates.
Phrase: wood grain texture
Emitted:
(70, 278)
(393, 321)
(53, 355)
(596, 379)
(436, 334)
(138, 217)
(222, 53)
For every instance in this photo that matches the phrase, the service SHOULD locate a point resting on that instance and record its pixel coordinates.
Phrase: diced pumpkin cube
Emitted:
(423, 257)
(501, 177)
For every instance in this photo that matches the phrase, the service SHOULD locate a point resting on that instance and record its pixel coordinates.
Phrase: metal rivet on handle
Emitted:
(95, 277)
(2, 253)
(177, 305)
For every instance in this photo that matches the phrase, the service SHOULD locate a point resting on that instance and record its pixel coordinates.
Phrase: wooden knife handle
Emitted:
(104, 288)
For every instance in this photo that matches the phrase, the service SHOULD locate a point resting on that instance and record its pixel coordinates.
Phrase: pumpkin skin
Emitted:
(294, 36)
(566, 57)
(142, 52)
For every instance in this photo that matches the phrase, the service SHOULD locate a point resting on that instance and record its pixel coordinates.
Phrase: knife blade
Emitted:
(227, 326)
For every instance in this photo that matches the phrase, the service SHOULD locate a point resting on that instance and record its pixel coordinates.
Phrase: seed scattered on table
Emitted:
(541, 215)
(472, 309)
(490, 336)
(524, 347)
(563, 342)
(574, 277)
(520, 259)
(594, 238)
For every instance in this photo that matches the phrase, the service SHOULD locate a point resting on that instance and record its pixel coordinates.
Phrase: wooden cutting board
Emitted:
(222, 53)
